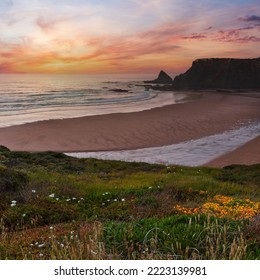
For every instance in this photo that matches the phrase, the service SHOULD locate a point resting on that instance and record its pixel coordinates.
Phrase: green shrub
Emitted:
(12, 180)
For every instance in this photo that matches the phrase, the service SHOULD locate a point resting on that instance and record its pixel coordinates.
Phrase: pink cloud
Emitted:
(46, 24)
(236, 35)
(195, 36)
(5, 68)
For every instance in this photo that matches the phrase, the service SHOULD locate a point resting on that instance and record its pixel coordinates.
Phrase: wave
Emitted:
(189, 153)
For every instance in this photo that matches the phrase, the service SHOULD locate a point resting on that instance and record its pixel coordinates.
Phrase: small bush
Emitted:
(12, 180)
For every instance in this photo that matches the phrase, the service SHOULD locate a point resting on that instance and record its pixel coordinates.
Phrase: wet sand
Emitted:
(211, 114)
(247, 154)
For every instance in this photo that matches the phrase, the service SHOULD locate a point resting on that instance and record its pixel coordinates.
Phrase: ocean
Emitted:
(26, 98)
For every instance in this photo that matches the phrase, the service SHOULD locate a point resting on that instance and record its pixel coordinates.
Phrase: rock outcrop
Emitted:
(163, 78)
(220, 73)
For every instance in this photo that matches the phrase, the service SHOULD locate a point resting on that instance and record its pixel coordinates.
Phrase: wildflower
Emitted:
(150, 187)
(123, 199)
(68, 199)
(51, 228)
(23, 215)
(33, 191)
(41, 245)
(52, 195)
(57, 198)
(13, 203)
(41, 255)
(73, 198)
(115, 199)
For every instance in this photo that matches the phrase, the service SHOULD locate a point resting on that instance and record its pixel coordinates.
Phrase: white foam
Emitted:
(65, 112)
(190, 153)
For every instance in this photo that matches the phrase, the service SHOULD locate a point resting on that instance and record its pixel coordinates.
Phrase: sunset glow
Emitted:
(132, 36)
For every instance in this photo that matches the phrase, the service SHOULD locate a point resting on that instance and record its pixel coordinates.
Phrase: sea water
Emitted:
(26, 98)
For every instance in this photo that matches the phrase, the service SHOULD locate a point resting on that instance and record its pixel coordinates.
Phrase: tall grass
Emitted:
(56, 207)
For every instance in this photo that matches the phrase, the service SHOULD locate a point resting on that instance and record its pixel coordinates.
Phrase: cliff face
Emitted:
(220, 73)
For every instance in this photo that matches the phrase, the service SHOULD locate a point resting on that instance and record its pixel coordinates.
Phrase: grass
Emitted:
(56, 207)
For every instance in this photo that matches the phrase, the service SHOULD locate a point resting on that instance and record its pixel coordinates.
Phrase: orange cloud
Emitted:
(57, 49)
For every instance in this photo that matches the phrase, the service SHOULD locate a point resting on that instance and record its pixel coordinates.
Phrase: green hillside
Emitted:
(56, 207)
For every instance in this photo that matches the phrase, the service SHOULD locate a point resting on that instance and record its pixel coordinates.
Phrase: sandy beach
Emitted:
(247, 154)
(212, 113)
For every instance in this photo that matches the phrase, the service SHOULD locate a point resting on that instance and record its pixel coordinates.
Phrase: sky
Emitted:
(124, 36)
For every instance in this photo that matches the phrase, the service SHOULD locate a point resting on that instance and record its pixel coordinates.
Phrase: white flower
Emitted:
(23, 215)
(51, 228)
(57, 198)
(33, 191)
(52, 195)
(68, 199)
(13, 203)
(41, 245)
(123, 199)
(115, 199)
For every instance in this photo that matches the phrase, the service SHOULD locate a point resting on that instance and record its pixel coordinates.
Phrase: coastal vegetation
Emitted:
(56, 207)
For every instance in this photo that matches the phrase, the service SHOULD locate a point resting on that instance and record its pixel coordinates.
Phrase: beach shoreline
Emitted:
(247, 154)
(211, 114)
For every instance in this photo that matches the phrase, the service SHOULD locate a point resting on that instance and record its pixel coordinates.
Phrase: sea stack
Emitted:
(163, 78)
(220, 73)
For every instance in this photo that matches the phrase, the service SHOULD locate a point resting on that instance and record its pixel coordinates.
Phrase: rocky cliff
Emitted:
(220, 73)
(163, 78)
